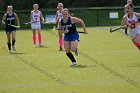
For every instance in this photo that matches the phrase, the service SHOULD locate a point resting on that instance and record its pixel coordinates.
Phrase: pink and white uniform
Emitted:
(134, 25)
(59, 14)
(36, 20)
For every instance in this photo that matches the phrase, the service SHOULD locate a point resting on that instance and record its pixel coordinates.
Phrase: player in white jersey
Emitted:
(130, 20)
(36, 18)
(128, 1)
(58, 17)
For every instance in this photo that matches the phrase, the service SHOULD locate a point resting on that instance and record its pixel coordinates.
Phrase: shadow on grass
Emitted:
(42, 47)
(17, 53)
(81, 66)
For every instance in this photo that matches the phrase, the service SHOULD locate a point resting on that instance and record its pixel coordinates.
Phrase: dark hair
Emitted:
(131, 5)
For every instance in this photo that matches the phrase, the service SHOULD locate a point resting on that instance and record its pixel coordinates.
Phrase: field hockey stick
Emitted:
(116, 29)
(65, 30)
(49, 22)
(28, 23)
(11, 25)
(15, 26)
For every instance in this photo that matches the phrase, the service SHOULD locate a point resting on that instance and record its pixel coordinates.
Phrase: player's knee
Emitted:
(9, 40)
(67, 50)
(73, 49)
(137, 44)
(60, 36)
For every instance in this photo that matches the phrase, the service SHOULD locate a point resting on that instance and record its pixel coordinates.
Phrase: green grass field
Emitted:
(107, 63)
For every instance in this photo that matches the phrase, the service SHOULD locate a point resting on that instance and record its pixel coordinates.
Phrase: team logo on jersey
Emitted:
(65, 27)
(11, 18)
(35, 15)
(132, 24)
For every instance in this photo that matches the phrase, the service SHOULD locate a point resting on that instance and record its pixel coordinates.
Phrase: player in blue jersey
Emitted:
(71, 36)
(10, 18)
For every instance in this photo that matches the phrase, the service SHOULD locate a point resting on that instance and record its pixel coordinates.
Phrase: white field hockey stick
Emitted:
(49, 22)
(64, 30)
(28, 23)
(15, 26)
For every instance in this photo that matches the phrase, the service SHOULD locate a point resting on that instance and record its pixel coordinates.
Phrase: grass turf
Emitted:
(107, 63)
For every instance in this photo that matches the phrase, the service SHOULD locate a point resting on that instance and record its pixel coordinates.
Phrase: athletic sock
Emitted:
(34, 39)
(40, 38)
(9, 46)
(60, 42)
(13, 42)
(71, 57)
(126, 31)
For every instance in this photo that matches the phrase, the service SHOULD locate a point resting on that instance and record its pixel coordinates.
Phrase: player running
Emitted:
(71, 36)
(58, 17)
(131, 20)
(36, 18)
(128, 1)
(10, 18)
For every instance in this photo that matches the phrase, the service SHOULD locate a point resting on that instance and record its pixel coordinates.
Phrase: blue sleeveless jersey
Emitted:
(10, 20)
(72, 35)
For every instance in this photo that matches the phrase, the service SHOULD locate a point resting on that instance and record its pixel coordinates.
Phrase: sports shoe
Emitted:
(76, 52)
(41, 45)
(34, 45)
(14, 48)
(61, 49)
(9, 51)
(73, 64)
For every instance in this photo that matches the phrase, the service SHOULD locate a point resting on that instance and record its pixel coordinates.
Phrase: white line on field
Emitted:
(107, 82)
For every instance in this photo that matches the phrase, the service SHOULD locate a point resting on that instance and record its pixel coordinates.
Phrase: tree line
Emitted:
(27, 4)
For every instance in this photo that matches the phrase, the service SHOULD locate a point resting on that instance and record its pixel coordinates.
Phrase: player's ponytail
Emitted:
(66, 9)
(131, 5)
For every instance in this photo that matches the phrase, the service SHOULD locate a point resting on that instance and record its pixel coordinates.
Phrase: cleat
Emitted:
(61, 49)
(41, 45)
(14, 48)
(34, 45)
(9, 51)
(73, 64)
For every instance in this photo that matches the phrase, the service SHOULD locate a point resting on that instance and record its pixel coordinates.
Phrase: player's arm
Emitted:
(56, 17)
(31, 18)
(80, 21)
(60, 28)
(4, 19)
(124, 23)
(17, 19)
(138, 15)
(41, 17)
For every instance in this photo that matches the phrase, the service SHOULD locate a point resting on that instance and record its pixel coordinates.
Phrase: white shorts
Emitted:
(36, 25)
(133, 33)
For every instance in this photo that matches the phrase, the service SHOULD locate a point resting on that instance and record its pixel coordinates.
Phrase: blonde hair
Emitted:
(129, 1)
(59, 4)
(65, 9)
(35, 5)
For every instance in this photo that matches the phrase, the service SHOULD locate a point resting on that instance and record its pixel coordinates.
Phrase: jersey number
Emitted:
(35, 19)
(132, 24)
